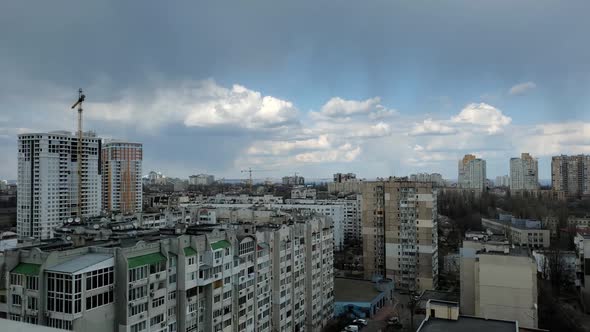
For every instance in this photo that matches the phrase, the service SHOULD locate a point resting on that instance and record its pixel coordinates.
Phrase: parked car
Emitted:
(351, 328)
(360, 322)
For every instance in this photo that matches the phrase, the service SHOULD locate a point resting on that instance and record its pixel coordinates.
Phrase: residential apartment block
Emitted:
(231, 277)
(435, 178)
(524, 173)
(249, 211)
(47, 190)
(571, 174)
(345, 183)
(201, 180)
(399, 230)
(472, 173)
(122, 177)
(502, 181)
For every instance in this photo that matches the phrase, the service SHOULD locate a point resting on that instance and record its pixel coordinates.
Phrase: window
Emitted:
(137, 309)
(60, 324)
(157, 319)
(16, 279)
(218, 254)
(99, 300)
(16, 300)
(158, 267)
(99, 278)
(138, 327)
(32, 303)
(158, 302)
(191, 260)
(172, 295)
(32, 282)
(137, 293)
(172, 278)
(64, 293)
(138, 273)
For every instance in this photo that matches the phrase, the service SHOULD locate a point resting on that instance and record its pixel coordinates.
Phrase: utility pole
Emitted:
(81, 98)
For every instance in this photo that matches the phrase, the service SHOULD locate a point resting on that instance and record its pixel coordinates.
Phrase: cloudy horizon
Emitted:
(308, 87)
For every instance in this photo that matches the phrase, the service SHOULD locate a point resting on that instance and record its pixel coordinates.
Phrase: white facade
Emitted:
(502, 181)
(48, 182)
(524, 173)
(243, 278)
(472, 173)
(435, 178)
(201, 180)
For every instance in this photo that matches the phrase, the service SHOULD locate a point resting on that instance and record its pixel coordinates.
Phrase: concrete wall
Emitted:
(506, 288)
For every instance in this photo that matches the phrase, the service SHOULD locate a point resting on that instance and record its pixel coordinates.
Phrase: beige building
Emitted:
(472, 173)
(524, 173)
(399, 232)
(498, 282)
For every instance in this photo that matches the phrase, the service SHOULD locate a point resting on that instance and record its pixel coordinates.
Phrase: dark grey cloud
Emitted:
(304, 52)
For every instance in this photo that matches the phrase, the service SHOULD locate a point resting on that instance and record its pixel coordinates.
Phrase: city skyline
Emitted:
(382, 94)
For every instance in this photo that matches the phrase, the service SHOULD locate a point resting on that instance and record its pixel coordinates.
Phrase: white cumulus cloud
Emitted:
(483, 115)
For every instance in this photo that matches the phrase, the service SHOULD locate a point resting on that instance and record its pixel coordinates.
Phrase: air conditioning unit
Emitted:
(152, 294)
(140, 315)
(163, 324)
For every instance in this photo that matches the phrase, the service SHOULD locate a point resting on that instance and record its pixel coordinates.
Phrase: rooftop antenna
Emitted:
(81, 98)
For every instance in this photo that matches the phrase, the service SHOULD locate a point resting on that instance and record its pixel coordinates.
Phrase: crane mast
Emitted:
(81, 98)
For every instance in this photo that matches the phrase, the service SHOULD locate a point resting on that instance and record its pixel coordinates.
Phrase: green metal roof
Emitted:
(220, 244)
(27, 269)
(145, 260)
(188, 251)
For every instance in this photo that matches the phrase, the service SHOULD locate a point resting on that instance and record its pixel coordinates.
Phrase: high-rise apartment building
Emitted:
(121, 177)
(524, 173)
(571, 174)
(230, 278)
(399, 229)
(472, 173)
(502, 181)
(47, 191)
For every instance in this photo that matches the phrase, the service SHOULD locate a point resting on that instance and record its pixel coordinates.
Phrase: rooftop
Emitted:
(80, 263)
(467, 324)
(354, 290)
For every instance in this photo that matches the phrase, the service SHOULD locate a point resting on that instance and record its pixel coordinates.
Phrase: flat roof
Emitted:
(80, 263)
(467, 324)
(354, 290)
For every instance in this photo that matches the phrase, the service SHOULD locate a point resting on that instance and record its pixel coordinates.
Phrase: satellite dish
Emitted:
(95, 226)
(69, 238)
(70, 220)
(77, 219)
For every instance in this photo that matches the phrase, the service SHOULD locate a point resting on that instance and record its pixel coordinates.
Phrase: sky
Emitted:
(377, 88)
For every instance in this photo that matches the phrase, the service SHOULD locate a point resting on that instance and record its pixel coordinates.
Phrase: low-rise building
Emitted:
(522, 232)
(361, 298)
